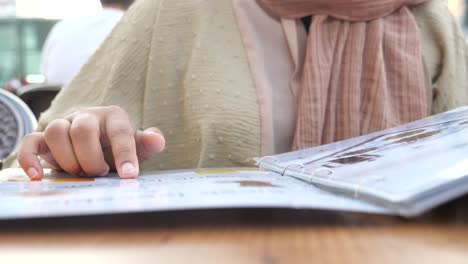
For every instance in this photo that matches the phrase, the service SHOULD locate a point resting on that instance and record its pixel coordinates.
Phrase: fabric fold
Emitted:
(362, 71)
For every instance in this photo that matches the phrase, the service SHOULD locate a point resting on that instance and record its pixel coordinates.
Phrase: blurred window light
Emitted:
(35, 78)
(7, 8)
(56, 9)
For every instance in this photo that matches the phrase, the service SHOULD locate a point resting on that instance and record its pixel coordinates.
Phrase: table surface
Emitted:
(241, 236)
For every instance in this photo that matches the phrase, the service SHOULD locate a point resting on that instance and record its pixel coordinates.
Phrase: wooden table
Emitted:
(240, 236)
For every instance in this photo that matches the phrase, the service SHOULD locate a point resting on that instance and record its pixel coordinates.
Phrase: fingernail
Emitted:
(32, 173)
(128, 169)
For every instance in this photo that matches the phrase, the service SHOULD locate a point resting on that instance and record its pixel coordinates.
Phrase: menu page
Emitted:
(397, 163)
(60, 194)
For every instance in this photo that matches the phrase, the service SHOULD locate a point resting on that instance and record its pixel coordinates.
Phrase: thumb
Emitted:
(149, 142)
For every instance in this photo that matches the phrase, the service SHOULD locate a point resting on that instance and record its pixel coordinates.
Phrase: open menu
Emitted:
(406, 171)
(64, 195)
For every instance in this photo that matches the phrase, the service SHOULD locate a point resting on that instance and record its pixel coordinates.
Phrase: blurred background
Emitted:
(24, 25)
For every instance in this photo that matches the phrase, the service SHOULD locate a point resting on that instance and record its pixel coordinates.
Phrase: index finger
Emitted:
(121, 137)
(30, 148)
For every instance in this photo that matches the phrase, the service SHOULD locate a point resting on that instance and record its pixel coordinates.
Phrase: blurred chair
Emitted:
(16, 120)
(38, 97)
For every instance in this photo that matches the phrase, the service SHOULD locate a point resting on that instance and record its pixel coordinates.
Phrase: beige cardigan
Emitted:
(181, 65)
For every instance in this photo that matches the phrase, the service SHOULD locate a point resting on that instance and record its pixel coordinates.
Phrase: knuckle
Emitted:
(82, 128)
(27, 142)
(57, 128)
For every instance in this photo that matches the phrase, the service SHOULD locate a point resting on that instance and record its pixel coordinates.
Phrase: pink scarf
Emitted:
(363, 69)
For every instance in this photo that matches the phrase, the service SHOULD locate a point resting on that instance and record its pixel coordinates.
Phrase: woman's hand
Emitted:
(90, 142)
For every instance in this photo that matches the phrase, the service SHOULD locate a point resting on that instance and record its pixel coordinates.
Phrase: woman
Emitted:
(226, 80)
